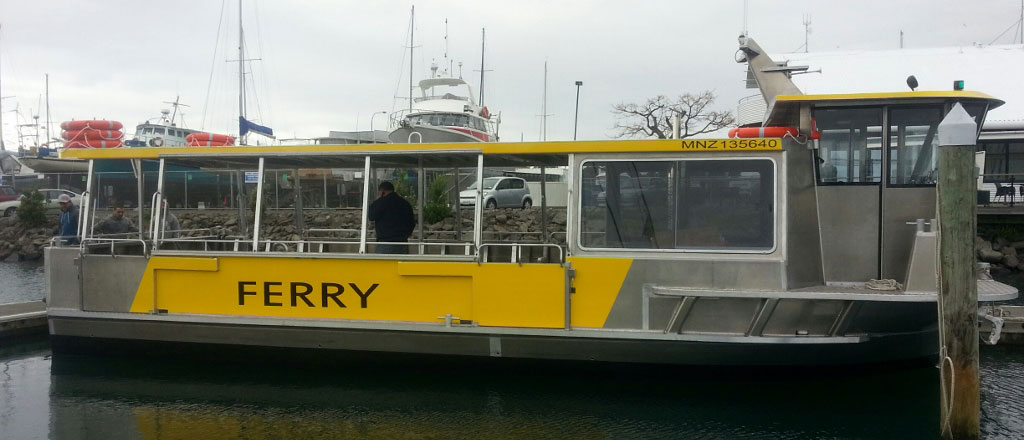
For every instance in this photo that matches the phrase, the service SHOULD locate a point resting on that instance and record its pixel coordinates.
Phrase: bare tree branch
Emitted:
(653, 118)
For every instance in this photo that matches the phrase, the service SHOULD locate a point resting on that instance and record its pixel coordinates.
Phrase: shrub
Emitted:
(32, 212)
(436, 207)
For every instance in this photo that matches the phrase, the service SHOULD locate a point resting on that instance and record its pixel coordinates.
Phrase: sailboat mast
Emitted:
(241, 73)
(2, 147)
(483, 42)
(544, 106)
(412, 43)
(48, 110)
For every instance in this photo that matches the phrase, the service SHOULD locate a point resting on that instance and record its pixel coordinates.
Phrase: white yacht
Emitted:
(163, 132)
(444, 112)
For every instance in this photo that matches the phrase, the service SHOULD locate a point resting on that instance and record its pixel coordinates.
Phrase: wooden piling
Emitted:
(958, 292)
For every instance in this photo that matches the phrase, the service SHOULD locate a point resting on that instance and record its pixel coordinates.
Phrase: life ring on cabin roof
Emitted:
(484, 113)
(760, 132)
(156, 142)
(97, 124)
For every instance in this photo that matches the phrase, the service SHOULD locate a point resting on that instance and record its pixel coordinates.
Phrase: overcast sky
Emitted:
(329, 65)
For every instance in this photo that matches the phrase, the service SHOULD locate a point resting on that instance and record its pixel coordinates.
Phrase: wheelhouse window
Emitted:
(850, 149)
(912, 141)
(685, 205)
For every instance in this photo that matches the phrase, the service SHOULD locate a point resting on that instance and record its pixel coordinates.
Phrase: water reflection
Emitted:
(21, 281)
(106, 399)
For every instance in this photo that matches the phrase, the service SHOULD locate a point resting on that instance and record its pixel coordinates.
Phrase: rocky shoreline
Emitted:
(499, 224)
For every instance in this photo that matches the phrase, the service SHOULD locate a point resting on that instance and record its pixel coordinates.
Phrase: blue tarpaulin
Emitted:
(245, 126)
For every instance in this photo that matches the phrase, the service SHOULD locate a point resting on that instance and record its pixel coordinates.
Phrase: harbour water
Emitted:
(75, 397)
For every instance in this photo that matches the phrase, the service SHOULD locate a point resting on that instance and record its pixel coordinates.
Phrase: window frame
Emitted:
(578, 209)
(883, 110)
(889, 149)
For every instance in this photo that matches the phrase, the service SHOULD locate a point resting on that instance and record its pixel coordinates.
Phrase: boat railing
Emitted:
(516, 252)
(94, 244)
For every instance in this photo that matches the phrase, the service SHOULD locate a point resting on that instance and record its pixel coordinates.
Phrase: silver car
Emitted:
(50, 203)
(499, 192)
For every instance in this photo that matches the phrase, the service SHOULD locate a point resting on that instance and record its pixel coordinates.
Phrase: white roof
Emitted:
(995, 70)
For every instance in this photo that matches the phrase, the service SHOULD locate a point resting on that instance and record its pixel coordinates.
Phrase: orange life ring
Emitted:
(210, 137)
(484, 113)
(93, 143)
(88, 133)
(760, 132)
(98, 124)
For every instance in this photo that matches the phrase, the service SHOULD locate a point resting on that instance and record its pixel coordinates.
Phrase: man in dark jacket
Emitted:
(68, 220)
(393, 218)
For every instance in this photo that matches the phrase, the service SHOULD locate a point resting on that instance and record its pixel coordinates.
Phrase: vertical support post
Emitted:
(421, 199)
(958, 294)
(325, 190)
(458, 206)
(259, 207)
(186, 189)
(83, 212)
(366, 206)
(277, 194)
(158, 206)
(140, 178)
(300, 215)
(478, 214)
(231, 189)
(543, 206)
(570, 202)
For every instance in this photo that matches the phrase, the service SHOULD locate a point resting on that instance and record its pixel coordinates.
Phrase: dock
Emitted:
(19, 319)
(1013, 324)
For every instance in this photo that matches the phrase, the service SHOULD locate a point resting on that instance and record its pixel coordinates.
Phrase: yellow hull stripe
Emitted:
(491, 294)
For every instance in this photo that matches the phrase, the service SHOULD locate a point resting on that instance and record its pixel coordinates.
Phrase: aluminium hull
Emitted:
(78, 332)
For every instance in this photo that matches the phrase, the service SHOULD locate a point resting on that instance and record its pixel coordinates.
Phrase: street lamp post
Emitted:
(371, 125)
(576, 122)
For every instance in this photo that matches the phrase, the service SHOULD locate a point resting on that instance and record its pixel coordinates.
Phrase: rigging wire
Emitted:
(1012, 26)
(213, 63)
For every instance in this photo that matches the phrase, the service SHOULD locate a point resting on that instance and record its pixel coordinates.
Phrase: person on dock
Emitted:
(117, 223)
(393, 219)
(68, 222)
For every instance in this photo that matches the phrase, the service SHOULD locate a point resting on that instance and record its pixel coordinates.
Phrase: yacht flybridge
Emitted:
(743, 251)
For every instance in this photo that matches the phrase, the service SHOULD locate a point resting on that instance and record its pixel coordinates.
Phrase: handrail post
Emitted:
(259, 206)
(366, 206)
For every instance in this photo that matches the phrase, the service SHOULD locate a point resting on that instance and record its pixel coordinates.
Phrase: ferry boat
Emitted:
(749, 251)
(444, 112)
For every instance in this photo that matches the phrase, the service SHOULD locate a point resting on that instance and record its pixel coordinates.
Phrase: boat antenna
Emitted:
(544, 107)
(807, 32)
(175, 104)
(449, 61)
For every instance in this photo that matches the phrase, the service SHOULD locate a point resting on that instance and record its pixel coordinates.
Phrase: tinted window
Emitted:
(850, 150)
(504, 184)
(707, 205)
(518, 184)
(912, 141)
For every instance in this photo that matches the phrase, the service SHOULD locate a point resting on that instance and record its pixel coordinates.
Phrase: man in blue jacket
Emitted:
(68, 220)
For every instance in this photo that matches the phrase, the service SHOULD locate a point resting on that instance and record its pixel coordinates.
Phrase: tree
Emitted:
(32, 212)
(654, 117)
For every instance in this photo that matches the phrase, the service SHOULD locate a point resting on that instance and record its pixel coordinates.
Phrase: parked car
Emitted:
(49, 201)
(499, 192)
(7, 194)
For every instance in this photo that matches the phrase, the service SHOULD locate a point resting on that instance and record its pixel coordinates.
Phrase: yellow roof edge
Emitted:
(558, 147)
(891, 95)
